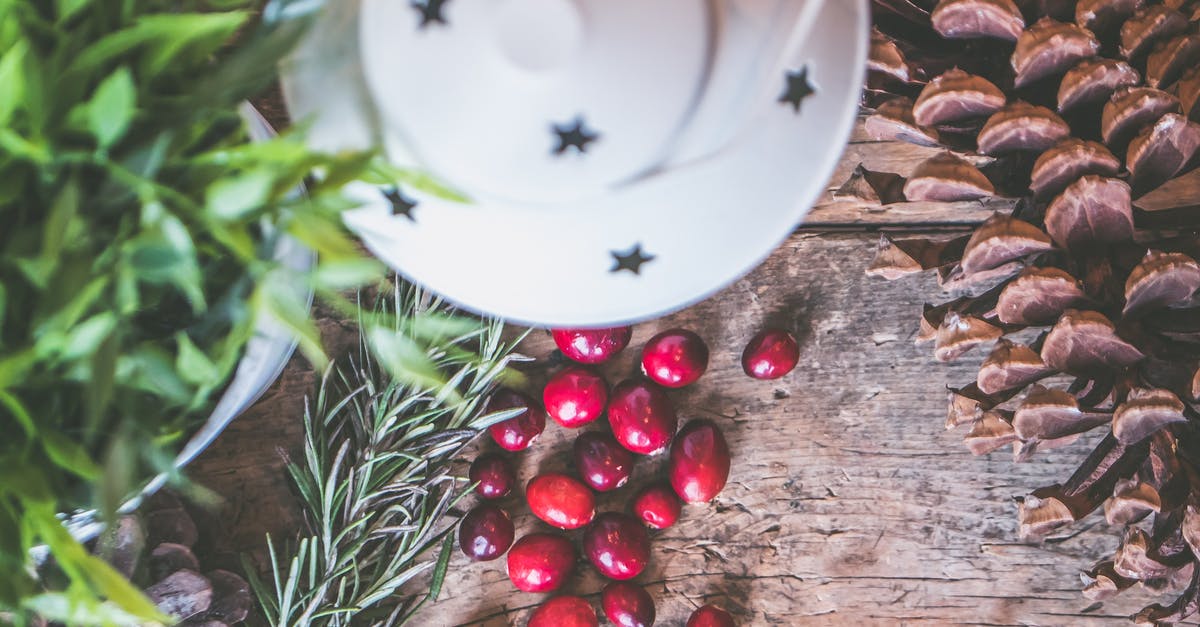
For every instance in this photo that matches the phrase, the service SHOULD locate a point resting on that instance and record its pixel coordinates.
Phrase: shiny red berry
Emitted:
(617, 545)
(540, 562)
(492, 475)
(675, 358)
(657, 506)
(770, 354)
(575, 396)
(602, 462)
(592, 346)
(519, 432)
(564, 611)
(710, 616)
(561, 501)
(642, 418)
(627, 605)
(699, 463)
(485, 533)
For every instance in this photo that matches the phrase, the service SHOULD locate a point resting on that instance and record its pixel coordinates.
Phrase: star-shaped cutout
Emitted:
(401, 204)
(631, 261)
(574, 135)
(430, 12)
(798, 88)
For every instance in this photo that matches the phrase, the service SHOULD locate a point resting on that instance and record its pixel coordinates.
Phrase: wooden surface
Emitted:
(848, 502)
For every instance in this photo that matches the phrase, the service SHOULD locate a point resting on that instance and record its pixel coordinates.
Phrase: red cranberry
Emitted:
(485, 533)
(710, 616)
(657, 505)
(592, 346)
(575, 396)
(540, 562)
(602, 462)
(492, 475)
(560, 500)
(675, 358)
(519, 432)
(564, 611)
(699, 465)
(627, 605)
(617, 545)
(770, 354)
(642, 417)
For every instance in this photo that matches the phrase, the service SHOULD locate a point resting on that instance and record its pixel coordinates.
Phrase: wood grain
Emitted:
(848, 502)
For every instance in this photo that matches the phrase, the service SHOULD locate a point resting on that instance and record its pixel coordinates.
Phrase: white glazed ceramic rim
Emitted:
(266, 354)
(707, 223)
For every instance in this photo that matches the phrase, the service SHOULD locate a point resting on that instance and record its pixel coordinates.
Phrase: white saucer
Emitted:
(693, 168)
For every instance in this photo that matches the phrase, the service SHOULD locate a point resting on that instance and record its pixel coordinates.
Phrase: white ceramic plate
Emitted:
(700, 166)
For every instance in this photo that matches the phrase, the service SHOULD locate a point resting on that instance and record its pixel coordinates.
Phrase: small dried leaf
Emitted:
(1144, 413)
(1099, 15)
(1085, 342)
(1131, 108)
(1038, 296)
(955, 96)
(1094, 209)
(960, 333)
(1051, 414)
(1148, 25)
(1103, 582)
(1050, 47)
(947, 178)
(1160, 280)
(1040, 516)
(1131, 501)
(1094, 81)
(885, 56)
(893, 121)
(1134, 559)
(881, 188)
(1160, 151)
(973, 19)
(1019, 127)
(1170, 59)
(1002, 239)
(896, 258)
(1009, 366)
(1067, 161)
(988, 433)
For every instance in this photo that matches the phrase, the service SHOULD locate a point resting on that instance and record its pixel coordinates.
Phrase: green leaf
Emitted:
(69, 455)
(12, 77)
(193, 365)
(439, 571)
(68, 8)
(74, 609)
(83, 339)
(165, 36)
(112, 107)
(340, 274)
(403, 358)
(278, 300)
(233, 197)
(19, 413)
(439, 327)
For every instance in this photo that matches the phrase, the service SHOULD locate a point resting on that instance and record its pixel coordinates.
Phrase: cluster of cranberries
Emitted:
(642, 421)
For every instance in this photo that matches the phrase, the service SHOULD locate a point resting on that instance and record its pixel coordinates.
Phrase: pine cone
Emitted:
(1090, 305)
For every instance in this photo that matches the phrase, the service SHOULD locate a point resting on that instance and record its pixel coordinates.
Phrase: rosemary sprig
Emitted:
(375, 481)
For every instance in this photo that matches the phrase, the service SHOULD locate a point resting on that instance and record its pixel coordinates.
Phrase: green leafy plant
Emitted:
(375, 481)
(138, 225)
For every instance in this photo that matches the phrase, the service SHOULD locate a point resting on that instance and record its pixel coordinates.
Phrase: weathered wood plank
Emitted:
(848, 502)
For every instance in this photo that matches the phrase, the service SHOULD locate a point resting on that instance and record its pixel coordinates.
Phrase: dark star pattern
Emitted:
(631, 261)
(575, 135)
(430, 12)
(401, 204)
(798, 88)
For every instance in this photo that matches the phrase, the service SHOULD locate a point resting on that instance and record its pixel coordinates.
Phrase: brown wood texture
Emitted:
(848, 502)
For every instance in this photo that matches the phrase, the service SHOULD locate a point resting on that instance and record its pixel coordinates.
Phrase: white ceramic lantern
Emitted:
(622, 158)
